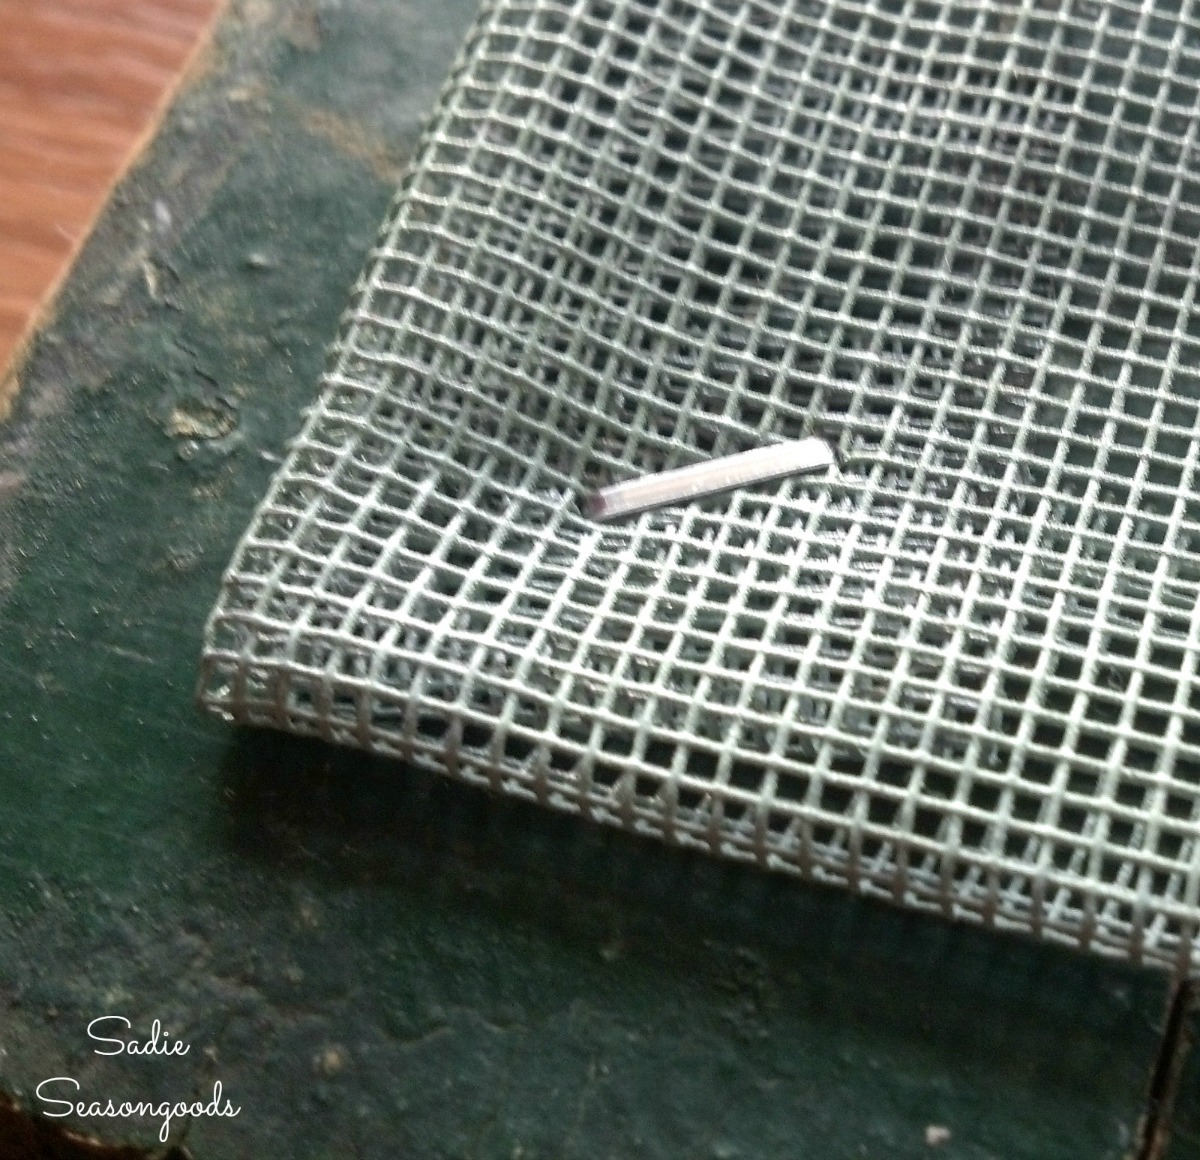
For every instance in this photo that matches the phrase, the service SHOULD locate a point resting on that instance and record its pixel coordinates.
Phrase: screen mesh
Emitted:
(958, 240)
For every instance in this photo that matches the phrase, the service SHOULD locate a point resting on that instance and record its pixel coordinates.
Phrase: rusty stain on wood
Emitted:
(354, 141)
(24, 1136)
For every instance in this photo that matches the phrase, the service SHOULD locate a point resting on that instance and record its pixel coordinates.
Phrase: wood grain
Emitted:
(81, 84)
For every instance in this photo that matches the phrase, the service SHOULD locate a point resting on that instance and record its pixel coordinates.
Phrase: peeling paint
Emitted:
(10, 388)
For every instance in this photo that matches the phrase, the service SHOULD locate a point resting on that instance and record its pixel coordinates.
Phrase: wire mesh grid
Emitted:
(958, 239)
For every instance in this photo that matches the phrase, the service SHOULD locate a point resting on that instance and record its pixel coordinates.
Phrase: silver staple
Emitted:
(699, 480)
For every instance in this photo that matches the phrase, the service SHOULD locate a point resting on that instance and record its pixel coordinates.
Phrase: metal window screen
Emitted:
(960, 240)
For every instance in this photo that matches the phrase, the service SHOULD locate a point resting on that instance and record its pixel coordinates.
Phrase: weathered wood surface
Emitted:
(373, 963)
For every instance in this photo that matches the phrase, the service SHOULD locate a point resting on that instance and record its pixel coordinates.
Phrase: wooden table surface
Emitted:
(81, 86)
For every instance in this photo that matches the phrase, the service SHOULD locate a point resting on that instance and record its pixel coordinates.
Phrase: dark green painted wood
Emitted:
(374, 963)
(1177, 1078)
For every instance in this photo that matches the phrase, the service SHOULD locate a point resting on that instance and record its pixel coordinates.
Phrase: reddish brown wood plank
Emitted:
(81, 82)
